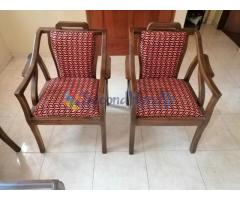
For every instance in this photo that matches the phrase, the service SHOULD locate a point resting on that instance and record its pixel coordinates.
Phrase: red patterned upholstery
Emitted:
(165, 97)
(160, 53)
(74, 53)
(52, 102)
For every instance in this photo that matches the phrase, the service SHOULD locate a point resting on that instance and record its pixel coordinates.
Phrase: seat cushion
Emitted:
(161, 52)
(69, 97)
(166, 97)
(74, 53)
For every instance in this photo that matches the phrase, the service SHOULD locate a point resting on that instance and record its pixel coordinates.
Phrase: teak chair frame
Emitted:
(205, 76)
(30, 73)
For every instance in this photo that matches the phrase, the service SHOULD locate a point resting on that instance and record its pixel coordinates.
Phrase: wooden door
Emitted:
(117, 24)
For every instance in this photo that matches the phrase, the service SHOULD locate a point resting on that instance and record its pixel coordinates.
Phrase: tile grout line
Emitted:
(145, 158)
(205, 185)
(40, 171)
(95, 156)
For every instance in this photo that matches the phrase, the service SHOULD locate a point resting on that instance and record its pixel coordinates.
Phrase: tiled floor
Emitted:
(162, 159)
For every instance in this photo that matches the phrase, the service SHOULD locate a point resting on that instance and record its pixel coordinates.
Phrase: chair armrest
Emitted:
(27, 65)
(206, 74)
(29, 73)
(208, 66)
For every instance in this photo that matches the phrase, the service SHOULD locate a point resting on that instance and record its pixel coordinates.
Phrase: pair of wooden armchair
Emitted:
(77, 97)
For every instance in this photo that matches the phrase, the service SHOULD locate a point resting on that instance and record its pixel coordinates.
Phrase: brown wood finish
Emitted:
(8, 141)
(205, 75)
(118, 22)
(30, 73)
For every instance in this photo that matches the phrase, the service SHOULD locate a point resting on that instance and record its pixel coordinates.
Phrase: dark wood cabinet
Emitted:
(117, 23)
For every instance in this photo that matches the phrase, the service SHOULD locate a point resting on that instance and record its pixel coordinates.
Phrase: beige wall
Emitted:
(214, 17)
(18, 27)
(180, 16)
(5, 54)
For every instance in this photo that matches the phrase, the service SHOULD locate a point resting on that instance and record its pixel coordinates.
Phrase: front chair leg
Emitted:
(104, 138)
(197, 137)
(132, 138)
(38, 137)
(127, 94)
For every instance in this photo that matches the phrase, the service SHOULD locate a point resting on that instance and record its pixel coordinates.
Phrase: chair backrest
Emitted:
(161, 52)
(74, 52)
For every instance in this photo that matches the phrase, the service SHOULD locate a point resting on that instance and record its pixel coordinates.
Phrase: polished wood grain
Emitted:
(118, 22)
(205, 75)
(30, 74)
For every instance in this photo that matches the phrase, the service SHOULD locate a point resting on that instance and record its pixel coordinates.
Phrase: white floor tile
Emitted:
(75, 170)
(20, 132)
(173, 170)
(220, 169)
(74, 138)
(215, 137)
(118, 127)
(233, 124)
(20, 166)
(164, 138)
(119, 170)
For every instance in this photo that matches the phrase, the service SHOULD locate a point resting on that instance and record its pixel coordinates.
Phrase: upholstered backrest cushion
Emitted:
(73, 52)
(160, 53)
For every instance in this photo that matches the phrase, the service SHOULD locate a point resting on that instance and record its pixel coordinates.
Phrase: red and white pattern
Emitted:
(52, 101)
(74, 53)
(160, 53)
(150, 103)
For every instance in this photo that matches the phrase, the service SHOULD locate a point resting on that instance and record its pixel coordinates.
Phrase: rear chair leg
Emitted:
(197, 137)
(104, 138)
(107, 94)
(132, 138)
(38, 137)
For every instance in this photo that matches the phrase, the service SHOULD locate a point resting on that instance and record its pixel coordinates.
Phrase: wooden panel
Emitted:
(118, 22)
(233, 22)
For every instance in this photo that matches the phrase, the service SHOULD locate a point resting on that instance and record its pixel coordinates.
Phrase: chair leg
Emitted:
(127, 94)
(197, 137)
(38, 137)
(132, 138)
(104, 138)
(107, 92)
(8, 141)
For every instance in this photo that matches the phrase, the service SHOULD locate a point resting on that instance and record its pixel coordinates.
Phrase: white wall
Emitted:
(5, 54)
(18, 28)
(180, 16)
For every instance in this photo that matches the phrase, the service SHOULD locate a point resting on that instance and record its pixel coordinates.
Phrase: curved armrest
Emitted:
(27, 65)
(206, 74)
(30, 71)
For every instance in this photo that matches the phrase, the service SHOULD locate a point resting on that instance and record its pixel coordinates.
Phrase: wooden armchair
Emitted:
(158, 97)
(76, 96)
